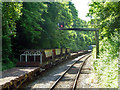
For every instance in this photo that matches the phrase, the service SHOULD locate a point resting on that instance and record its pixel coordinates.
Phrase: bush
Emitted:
(106, 66)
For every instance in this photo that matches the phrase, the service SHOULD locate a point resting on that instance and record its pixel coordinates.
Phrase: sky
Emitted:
(83, 8)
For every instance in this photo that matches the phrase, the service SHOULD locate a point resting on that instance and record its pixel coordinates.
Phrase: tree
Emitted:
(11, 13)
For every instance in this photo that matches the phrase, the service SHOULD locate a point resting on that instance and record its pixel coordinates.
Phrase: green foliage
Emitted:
(28, 27)
(11, 13)
(47, 35)
(106, 18)
(106, 66)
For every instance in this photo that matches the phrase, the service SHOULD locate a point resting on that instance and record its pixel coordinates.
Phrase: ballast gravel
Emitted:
(50, 76)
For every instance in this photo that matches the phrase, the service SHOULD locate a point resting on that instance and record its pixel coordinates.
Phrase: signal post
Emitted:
(86, 29)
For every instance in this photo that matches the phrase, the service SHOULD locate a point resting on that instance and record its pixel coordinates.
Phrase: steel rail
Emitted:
(78, 74)
(56, 82)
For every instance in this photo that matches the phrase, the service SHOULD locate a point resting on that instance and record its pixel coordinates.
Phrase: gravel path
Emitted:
(87, 77)
(48, 78)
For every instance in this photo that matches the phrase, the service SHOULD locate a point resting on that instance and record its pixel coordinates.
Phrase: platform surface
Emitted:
(15, 73)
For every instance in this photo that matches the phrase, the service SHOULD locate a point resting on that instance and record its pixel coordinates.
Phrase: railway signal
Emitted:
(61, 25)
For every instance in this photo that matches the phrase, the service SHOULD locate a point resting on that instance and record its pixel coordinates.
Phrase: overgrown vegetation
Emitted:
(33, 25)
(106, 18)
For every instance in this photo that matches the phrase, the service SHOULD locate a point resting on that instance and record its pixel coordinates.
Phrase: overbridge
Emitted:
(88, 29)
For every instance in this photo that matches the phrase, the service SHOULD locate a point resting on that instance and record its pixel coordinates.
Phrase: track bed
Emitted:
(70, 76)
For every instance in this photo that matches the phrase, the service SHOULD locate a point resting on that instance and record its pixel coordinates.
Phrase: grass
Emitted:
(106, 66)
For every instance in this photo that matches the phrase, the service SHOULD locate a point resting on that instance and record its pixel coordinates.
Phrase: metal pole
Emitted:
(34, 58)
(40, 58)
(20, 58)
(26, 57)
(97, 43)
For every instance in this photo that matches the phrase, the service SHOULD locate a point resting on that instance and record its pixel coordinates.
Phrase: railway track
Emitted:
(69, 78)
